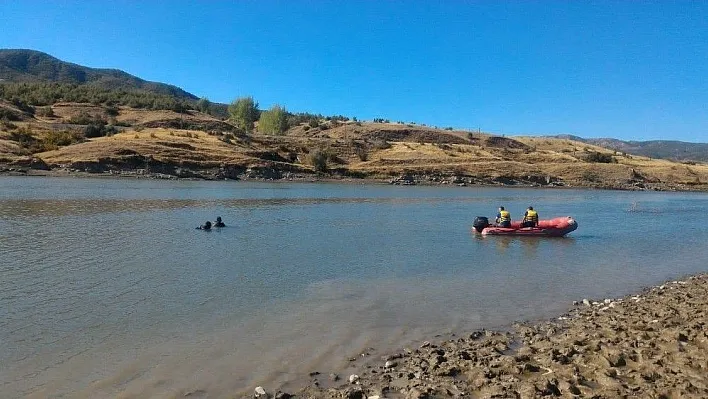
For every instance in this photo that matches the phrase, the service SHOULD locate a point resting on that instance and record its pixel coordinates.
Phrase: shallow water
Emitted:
(107, 290)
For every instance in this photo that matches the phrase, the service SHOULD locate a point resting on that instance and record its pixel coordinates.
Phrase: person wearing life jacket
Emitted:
(218, 222)
(503, 218)
(530, 218)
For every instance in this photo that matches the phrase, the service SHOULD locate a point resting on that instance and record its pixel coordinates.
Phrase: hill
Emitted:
(163, 143)
(665, 149)
(57, 117)
(30, 66)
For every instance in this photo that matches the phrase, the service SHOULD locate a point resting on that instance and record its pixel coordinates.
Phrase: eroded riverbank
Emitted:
(274, 175)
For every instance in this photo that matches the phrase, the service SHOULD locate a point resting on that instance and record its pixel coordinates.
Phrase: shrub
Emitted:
(380, 144)
(318, 160)
(99, 130)
(23, 137)
(599, 157)
(112, 111)
(23, 105)
(362, 153)
(85, 118)
(46, 112)
(61, 138)
(8, 115)
(590, 176)
(4, 122)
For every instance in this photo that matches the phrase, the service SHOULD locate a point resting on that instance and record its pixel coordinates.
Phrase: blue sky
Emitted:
(630, 70)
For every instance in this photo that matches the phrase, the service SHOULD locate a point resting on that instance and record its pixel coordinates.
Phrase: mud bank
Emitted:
(650, 345)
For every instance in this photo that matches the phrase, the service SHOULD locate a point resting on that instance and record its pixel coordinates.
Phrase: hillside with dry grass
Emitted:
(75, 137)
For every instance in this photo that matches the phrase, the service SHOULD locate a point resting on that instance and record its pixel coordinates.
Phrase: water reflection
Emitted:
(529, 246)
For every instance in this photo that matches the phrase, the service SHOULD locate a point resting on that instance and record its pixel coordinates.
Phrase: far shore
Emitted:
(404, 180)
(652, 344)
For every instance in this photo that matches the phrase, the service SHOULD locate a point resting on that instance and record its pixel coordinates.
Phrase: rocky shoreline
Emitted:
(650, 345)
(36, 167)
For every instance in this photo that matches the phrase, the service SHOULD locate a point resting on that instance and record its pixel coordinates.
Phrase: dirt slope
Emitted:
(198, 145)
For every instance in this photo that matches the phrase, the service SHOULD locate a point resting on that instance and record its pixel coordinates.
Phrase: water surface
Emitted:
(106, 288)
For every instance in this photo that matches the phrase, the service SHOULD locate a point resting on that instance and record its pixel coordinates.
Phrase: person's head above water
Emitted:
(207, 224)
(530, 208)
(218, 219)
(501, 208)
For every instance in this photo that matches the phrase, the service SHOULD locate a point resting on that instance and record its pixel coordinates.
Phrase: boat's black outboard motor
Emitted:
(480, 222)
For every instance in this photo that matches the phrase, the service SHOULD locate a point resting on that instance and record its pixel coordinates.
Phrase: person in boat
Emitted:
(218, 222)
(530, 218)
(503, 218)
(205, 226)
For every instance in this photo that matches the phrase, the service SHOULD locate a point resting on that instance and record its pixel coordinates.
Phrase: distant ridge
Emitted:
(664, 149)
(22, 65)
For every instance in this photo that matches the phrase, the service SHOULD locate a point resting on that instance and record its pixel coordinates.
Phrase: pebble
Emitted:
(389, 364)
(261, 393)
(586, 302)
(353, 379)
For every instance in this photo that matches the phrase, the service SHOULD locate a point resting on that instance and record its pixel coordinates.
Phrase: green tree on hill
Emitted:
(273, 121)
(243, 112)
(204, 105)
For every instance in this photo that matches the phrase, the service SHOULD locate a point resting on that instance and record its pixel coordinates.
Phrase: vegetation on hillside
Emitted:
(20, 65)
(273, 121)
(28, 95)
(243, 112)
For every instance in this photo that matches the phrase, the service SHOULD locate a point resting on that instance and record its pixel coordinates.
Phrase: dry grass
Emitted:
(370, 148)
(170, 146)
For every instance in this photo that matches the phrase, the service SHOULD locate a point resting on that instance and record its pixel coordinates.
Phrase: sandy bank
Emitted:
(650, 345)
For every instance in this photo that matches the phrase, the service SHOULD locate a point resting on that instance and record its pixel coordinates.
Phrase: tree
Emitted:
(243, 112)
(273, 121)
(204, 105)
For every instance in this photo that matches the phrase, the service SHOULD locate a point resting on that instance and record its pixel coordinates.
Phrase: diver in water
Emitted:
(205, 226)
(218, 222)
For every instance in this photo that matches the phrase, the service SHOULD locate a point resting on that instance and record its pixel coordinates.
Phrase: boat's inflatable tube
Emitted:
(556, 227)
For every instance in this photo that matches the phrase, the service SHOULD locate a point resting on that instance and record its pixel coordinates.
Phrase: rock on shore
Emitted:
(652, 345)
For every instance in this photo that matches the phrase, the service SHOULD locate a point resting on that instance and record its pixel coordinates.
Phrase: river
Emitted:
(108, 290)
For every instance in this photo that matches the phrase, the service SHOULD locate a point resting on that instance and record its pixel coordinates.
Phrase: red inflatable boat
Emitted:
(557, 227)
